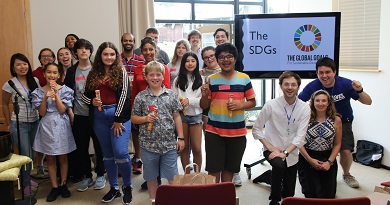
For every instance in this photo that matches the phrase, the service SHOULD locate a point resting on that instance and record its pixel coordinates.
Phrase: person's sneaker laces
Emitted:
(137, 167)
(237, 179)
(83, 185)
(127, 195)
(111, 195)
(65, 193)
(100, 183)
(53, 194)
(351, 181)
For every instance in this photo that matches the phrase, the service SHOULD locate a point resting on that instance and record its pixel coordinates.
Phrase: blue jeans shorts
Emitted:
(156, 164)
(191, 119)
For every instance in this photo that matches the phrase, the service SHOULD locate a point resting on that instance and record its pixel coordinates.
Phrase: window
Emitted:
(359, 41)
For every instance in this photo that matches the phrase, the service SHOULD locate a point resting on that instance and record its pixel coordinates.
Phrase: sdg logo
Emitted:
(307, 38)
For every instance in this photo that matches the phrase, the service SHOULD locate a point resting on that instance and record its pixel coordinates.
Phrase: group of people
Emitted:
(164, 106)
(306, 138)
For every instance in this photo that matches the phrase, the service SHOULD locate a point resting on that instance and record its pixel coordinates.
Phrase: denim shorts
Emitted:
(191, 119)
(156, 164)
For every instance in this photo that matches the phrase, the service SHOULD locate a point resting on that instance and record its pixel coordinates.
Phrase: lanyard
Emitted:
(322, 128)
(27, 91)
(289, 117)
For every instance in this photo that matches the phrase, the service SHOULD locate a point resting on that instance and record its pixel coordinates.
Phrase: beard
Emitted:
(128, 49)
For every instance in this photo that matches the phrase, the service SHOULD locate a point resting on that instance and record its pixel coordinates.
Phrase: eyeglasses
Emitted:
(46, 56)
(228, 57)
(208, 57)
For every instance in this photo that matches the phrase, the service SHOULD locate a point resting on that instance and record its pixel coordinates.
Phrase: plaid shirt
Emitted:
(161, 138)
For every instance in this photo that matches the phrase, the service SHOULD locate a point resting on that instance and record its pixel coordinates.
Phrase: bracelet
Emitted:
(330, 162)
(180, 138)
(360, 91)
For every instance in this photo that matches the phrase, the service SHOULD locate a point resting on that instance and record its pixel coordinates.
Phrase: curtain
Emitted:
(135, 16)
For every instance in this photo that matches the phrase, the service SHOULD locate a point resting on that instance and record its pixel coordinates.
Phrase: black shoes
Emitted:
(264, 177)
(127, 195)
(111, 195)
(54, 193)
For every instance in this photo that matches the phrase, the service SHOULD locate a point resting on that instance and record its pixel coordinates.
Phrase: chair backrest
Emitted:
(316, 201)
(209, 194)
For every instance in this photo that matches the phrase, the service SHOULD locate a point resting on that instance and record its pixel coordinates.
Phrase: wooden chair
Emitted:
(209, 194)
(317, 201)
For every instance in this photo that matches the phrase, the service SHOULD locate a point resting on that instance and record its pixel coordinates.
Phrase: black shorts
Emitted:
(347, 140)
(224, 153)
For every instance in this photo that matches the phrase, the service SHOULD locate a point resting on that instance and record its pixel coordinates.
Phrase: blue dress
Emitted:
(54, 135)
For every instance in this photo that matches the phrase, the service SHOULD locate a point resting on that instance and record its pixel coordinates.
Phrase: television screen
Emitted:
(269, 44)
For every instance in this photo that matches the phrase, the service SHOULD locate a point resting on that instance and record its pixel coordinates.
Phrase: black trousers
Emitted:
(283, 178)
(80, 163)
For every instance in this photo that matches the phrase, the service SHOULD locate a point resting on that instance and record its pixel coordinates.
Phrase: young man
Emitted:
(82, 129)
(161, 56)
(286, 119)
(195, 38)
(129, 61)
(342, 91)
(221, 36)
(228, 93)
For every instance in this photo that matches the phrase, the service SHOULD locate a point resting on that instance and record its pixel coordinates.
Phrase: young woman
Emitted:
(317, 159)
(24, 81)
(64, 58)
(210, 66)
(111, 116)
(187, 85)
(70, 40)
(182, 46)
(54, 135)
(46, 56)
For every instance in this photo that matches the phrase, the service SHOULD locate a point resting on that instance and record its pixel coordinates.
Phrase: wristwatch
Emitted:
(286, 153)
(330, 162)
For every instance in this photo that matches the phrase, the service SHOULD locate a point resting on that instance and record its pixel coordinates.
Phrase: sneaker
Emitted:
(27, 191)
(83, 185)
(264, 177)
(127, 196)
(40, 173)
(33, 184)
(111, 195)
(237, 179)
(53, 194)
(100, 183)
(351, 181)
(137, 167)
(145, 184)
(65, 193)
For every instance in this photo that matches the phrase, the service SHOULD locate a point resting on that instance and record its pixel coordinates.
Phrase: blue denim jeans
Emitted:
(115, 148)
(28, 131)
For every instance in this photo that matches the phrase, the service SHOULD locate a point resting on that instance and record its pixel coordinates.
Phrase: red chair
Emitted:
(209, 194)
(316, 201)
(386, 184)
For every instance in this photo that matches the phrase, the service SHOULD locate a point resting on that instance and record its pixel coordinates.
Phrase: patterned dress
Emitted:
(319, 145)
(54, 135)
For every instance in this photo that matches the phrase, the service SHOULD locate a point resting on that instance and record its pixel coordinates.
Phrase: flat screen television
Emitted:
(269, 44)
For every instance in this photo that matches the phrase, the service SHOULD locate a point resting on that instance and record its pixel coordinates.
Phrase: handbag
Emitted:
(369, 153)
(194, 178)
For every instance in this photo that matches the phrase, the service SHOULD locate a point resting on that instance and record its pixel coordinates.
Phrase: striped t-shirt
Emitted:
(240, 87)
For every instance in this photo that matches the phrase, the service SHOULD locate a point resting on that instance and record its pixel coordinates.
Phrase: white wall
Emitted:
(51, 20)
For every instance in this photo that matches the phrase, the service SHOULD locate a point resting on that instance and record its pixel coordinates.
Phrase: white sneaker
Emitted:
(100, 183)
(237, 179)
(351, 181)
(83, 186)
